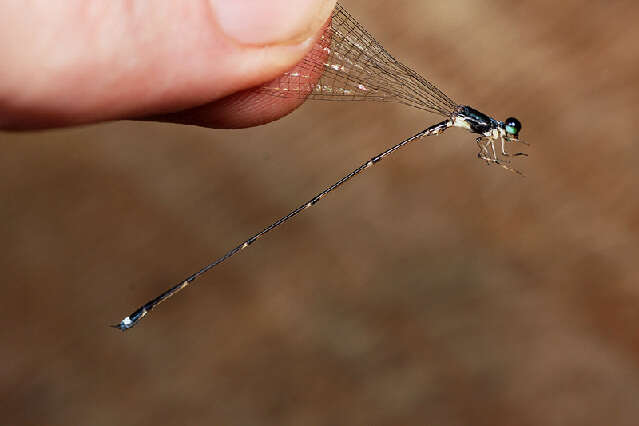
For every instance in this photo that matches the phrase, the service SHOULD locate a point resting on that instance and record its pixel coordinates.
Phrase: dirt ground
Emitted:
(431, 290)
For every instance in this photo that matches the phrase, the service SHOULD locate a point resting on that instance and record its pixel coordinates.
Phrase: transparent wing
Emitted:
(347, 63)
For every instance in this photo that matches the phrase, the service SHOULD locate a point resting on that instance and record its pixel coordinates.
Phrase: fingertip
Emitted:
(258, 105)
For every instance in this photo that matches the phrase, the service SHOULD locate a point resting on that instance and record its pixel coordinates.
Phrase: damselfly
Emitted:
(347, 63)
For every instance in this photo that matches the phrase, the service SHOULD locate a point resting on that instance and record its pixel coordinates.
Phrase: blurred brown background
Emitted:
(431, 290)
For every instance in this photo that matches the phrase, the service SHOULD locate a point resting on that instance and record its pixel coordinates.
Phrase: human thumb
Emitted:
(78, 62)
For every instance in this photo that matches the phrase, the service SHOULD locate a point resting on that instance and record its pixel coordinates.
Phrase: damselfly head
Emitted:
(512, 126)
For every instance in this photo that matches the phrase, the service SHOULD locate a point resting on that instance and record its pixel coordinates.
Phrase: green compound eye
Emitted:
(513, 126)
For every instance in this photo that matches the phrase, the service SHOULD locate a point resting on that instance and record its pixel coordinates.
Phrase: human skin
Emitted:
(194, 62)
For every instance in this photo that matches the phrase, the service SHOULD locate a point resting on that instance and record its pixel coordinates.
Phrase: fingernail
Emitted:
(267, 22)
